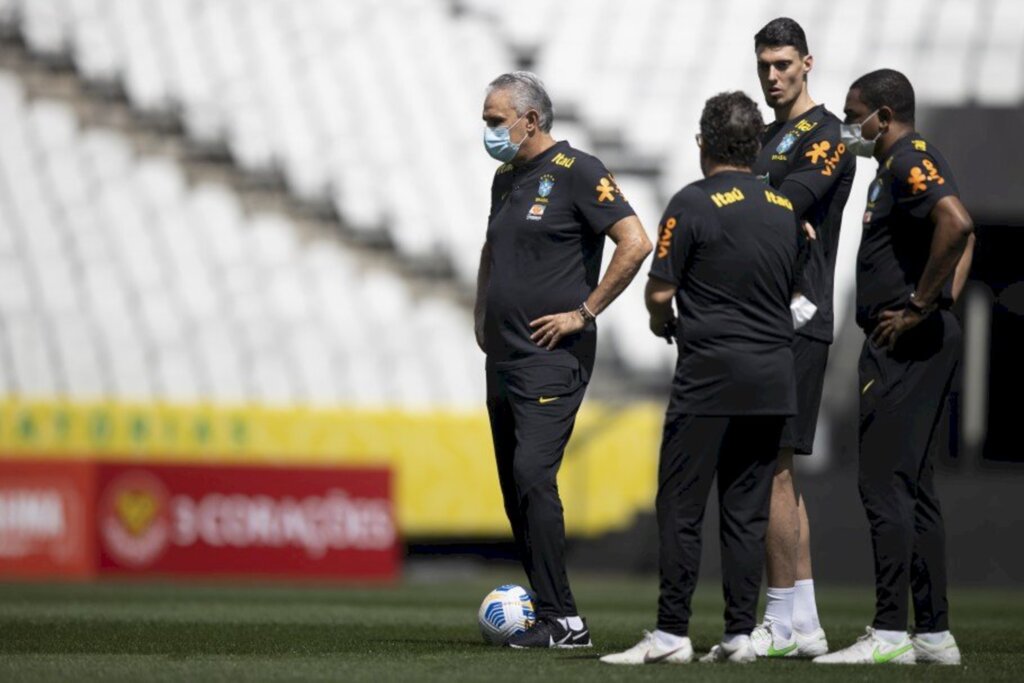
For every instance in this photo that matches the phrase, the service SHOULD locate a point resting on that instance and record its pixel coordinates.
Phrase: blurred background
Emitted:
(242, 235)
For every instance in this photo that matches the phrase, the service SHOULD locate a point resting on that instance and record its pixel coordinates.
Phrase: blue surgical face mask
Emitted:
(852, 136)
(498, 141)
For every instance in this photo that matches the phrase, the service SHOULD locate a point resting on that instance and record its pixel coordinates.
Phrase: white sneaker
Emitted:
(870, 649)
(650, 651)
(741, 653)
(812, 644)
(945, 652)
(767, 644)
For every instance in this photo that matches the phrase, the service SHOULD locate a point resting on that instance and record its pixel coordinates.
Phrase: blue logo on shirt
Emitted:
(876, 190)
(547, 183)
(786, 144)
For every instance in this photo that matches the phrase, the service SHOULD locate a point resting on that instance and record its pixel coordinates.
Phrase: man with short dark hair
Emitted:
(803, 156)
(538, 294)
(914, 257)
(726, 255)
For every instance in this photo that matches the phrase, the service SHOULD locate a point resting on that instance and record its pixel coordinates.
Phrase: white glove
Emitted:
(802, 311)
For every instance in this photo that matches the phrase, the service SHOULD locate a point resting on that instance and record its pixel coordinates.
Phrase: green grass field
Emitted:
(421, 630)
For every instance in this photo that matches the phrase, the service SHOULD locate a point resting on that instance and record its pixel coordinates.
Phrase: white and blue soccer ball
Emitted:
(506, 611)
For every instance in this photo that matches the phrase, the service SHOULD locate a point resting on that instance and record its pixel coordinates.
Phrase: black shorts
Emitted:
(809, 359)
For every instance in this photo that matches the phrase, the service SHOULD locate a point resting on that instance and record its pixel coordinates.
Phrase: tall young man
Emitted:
(914, 257)
(803, 156)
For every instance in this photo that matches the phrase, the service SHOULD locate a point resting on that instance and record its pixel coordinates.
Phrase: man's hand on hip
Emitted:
(892, 324)
(550, 329)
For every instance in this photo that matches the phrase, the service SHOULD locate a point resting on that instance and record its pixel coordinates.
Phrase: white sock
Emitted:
(805, 609)
(779, 611)
(892, 637)
(733, 641)
(575, 623)
(669, 641)
(933, 638)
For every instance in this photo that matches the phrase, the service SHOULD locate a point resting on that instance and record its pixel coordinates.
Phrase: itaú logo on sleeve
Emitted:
(316, 524)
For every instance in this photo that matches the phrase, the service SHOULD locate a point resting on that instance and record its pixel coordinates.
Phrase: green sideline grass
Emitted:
(419, 631)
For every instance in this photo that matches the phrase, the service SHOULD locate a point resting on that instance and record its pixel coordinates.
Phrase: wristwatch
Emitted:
(914, 306)
(585, 313)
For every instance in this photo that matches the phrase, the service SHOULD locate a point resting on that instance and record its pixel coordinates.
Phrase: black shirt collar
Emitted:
(778, 125)
(898, 146)
(533, 163)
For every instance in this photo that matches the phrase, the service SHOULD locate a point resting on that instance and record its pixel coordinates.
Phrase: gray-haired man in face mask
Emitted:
(538, 295)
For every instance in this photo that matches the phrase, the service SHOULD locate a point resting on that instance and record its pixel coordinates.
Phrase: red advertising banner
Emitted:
(246, 521)
(46, 519)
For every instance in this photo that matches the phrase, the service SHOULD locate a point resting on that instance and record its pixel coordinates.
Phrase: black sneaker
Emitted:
(548, 633)
(580, 637)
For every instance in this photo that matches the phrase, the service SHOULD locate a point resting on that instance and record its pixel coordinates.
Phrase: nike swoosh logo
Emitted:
(866, 387)
(648, 659)
(882, 658)
(560, 641)
(543, 400)
(772, 652)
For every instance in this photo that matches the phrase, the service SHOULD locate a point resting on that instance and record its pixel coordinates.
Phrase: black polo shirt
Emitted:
(806, 159)
(729, 244)
(546, 232)
(897, 236)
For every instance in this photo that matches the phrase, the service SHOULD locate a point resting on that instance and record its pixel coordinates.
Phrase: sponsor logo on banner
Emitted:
(30, 517)
(314, 524)
(45, 518)
(134, 518)
(252, 520)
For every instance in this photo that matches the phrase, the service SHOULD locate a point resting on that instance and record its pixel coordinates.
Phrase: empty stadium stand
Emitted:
(371, 110)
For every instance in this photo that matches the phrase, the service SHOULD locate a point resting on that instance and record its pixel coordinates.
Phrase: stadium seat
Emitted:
(372, 109)
(32, 357)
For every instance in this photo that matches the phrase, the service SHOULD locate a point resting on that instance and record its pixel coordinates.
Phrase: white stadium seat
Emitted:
(181, 291)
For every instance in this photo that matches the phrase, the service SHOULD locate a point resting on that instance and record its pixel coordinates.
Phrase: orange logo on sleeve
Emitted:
(605, 191)
(666, 238)
(933, 172)
(833, 161)
(819, 151)
(917, 180)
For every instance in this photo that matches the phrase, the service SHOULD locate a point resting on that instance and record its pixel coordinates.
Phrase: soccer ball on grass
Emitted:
(506, 611)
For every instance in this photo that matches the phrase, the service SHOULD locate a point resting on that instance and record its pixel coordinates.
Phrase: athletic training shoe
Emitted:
(547, 633)
(740, 653)
(767, 644)
(870, 649)
(812, 644)
(945, 652)
(649, 651)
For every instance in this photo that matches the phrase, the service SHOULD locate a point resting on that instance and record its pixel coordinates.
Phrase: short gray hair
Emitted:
(527, 92)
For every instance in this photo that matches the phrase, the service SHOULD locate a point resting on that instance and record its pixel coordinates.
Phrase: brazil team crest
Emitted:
(547, 183)
(876, 189)
(786, 144)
